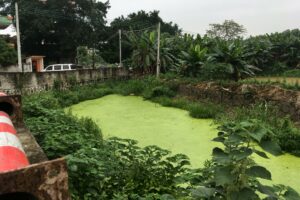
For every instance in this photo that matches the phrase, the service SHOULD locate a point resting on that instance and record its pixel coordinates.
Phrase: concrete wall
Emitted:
(16, 83)
(11, 68)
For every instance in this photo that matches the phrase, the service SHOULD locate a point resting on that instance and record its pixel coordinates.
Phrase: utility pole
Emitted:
(120, 47)
(18, 38)
(94, 56)
(158, 51)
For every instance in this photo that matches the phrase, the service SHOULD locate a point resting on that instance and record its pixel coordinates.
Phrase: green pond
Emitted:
(173, 129)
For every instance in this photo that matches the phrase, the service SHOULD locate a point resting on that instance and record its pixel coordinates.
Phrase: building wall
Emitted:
(15, 83)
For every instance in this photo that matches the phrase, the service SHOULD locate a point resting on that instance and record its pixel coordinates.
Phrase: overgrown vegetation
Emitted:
(232, 174)
(277, 128)
(101, 169)
(218, 57)
(120, 169)
(8, 55)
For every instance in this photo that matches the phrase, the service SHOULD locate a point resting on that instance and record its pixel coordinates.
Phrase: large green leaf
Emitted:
(271, 147)
(268, 190)
(291, 194)
(241, 154)
(224, 176)
(261, 154)
(259, 172)
(244, 194)
(234, 139)
(257, 135)
(220, 156)
(203, 192)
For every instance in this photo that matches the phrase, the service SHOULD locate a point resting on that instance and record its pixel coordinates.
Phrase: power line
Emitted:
(140, 30)
(111, 37)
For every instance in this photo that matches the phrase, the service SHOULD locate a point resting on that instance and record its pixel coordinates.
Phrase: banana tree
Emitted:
(234, 55)
(191, 61)
(144, 54)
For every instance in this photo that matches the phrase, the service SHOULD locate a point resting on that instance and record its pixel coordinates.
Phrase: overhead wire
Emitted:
(111, 37)
(139, 30)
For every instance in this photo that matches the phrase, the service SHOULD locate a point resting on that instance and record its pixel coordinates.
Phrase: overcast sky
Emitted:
(258, 16)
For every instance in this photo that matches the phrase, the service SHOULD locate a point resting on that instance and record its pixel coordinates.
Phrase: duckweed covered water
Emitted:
(171, 128)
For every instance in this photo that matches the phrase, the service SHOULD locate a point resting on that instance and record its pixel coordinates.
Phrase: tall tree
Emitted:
(55, 28)
(228, 30)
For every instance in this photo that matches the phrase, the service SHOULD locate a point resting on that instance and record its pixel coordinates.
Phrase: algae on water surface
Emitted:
(151, 124)
(173, 129)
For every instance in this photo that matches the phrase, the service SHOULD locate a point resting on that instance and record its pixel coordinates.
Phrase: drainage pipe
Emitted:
(12, 155)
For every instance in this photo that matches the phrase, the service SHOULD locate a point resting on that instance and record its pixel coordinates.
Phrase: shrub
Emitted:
(233, 174)
(216, 71)
(172, 102)
(90, 93)
(281, 129)
(158, 92)
(66, 98)
(60, 134)
(135, 87)
(198, 110)
(8, 55)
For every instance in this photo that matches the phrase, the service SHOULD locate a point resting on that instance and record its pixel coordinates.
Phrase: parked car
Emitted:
(61, 67)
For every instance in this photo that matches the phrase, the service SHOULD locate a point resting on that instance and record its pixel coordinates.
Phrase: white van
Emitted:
(60, 67)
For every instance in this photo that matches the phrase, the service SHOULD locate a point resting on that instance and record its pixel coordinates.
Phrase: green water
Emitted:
(173, 129)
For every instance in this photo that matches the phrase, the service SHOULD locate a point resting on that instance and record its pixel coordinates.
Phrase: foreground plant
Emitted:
(233, 174)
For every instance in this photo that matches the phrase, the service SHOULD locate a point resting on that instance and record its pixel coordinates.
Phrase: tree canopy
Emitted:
(142, 20)
(8, 55)
(228, 30)
(55, 28)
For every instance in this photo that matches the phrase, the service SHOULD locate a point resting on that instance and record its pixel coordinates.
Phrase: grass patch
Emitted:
(199, 110)
(204, 111)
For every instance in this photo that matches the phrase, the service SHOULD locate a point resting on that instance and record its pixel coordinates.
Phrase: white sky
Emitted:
(258, 16)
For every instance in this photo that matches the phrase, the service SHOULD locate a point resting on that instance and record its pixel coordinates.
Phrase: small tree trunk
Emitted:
(236, 74)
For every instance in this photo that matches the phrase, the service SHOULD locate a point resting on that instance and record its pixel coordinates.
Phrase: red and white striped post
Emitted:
(12, 155)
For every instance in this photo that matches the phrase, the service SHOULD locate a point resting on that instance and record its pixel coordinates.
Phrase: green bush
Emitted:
(281, 129)
(172, 102)
(204, 111)
(233, 174)
(135, 87)
(66, 98)
(120, 166)
(8, 55)
(216, 71)
(60, 134)
(158, 92)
